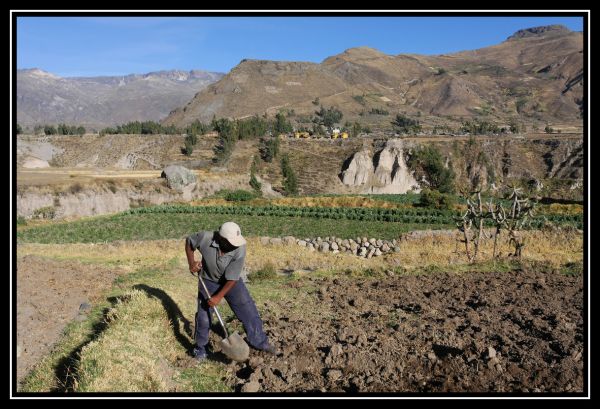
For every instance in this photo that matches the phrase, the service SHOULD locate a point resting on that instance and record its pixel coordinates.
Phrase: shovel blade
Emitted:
(235, 347)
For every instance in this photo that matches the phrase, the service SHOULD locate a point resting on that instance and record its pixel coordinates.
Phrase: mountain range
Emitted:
(534, 76)
(96, 102)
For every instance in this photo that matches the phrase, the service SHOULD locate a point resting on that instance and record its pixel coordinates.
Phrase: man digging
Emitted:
(223, 255)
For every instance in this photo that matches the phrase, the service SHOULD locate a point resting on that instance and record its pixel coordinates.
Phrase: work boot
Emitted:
(199, 355)
(270, 349)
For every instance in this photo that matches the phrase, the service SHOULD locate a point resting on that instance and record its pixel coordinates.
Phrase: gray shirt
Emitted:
(214, 266)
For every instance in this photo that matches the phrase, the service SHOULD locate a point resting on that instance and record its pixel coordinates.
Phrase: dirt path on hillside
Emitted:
(498, 332)
(49, 296)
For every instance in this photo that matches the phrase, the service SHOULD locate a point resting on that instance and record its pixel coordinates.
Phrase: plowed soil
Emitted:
(479, 332)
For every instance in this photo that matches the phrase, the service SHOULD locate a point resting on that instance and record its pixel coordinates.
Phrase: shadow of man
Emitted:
(174, 314)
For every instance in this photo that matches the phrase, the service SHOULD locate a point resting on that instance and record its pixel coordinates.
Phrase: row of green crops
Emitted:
(409, 215)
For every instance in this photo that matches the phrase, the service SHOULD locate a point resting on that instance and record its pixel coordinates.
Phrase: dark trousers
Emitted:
(242, 305)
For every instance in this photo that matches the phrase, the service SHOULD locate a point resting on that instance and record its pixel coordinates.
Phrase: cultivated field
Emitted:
(421, 319)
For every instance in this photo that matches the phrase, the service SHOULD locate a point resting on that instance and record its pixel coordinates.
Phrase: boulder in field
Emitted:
(179, 177)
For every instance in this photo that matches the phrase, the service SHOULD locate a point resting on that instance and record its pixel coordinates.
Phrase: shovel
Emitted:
(233, 345)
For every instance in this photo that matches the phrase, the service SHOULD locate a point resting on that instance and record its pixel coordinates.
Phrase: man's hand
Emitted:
(214, 300)
(194, 267)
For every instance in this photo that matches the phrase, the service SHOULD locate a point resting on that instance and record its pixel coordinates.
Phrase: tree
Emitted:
(189, 143)
(318, 130)
(378, 111)
(196, 128)
(254, 183)
(62, 129)
(282, 125)
(189, 147)
(253, 127)
(49, 130)
(192, 138)
(548, 129)
(228, 138)
(355, 129)
(270, 149)
(427, 161)
(290, 182)
(19, 130)
(108, 131)
(404, 125)
(328, 117)
(476, 127)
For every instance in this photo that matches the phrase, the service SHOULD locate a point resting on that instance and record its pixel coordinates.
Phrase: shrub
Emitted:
(48, 212)
(403, 124)
(436, 200)
(255, 184)
(113, 187)
(360, 99)
(75, 188)
(239, 196)
(267, 272)
(21, 221)
(379, 111)
(520, 104)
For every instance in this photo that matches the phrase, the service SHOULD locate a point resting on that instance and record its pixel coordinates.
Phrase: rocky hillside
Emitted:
(100, 174)
(535, 76)
(97, 102)
(381, 167)
(357, 165)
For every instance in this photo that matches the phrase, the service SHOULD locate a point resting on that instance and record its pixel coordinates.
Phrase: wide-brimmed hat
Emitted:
(231, 232)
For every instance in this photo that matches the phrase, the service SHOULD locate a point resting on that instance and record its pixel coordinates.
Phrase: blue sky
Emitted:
(89, 46)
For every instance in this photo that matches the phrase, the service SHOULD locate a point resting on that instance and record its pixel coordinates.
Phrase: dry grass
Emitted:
(335, 201)
(129, 255)
(558, 208)
(140, 344)
(307, 201)
(107, 364)
(65, 176)
(553, 247)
